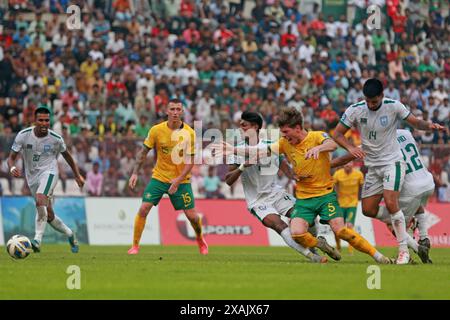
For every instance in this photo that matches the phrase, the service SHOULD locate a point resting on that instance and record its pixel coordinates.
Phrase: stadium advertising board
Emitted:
(225, 222)
(19, 215)
(110, 221)
(438, 219)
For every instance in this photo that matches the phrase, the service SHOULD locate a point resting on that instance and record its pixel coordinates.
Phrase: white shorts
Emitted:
(410, 204)
(280, 204)
(388, 177)
(45, 185)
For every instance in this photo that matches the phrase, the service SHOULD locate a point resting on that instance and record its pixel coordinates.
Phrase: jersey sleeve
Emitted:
(149, 142)
(348, 119)
(320, 137)
(336, 176)
(233, 159)
(278, 147)
(18, 143)
(62, 145)
(361, 178)
(401, 111)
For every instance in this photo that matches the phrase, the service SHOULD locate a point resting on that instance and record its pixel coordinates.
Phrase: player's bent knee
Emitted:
(336, 224)
(145, 209)
(274, 222)
(41, 200)
(392, 206)
(50, 215)
(345, 234)
(369, 212)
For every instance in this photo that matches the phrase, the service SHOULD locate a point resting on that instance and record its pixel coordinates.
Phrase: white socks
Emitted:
(41, 222)
(378, 256)
(286, 235)
(399, 226)
(56, 223)
(59, 225)
(422, 225)
(384, 216)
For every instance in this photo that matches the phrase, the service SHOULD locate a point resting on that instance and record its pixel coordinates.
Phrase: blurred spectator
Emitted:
(102, 160)
(197, 179)
(127, 164)
(212, 185)
(94, 181)
(110, 183)
(444, 193)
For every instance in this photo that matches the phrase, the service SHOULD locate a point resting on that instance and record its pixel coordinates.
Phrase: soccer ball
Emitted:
(18, 247)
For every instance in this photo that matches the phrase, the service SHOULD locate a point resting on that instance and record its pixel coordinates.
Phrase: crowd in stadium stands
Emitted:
(108, 83)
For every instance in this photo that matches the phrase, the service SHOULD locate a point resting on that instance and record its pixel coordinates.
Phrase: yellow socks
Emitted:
(357, 241)
(139, 225)
(197, 225)
(306, 240)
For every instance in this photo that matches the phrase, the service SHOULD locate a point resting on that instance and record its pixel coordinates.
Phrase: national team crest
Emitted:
(384, 121)
(47, 148)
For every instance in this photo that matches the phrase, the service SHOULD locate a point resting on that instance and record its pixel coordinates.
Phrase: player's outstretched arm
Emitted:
(12, 168)
(287, 170)
(69, 159)
(328, 145)
(423, 125)
(226, 149)
(343, 160)
(141, 156)
(339, 137)
(234, 172)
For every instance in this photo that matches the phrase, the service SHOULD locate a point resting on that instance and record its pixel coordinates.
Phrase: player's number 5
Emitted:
(331, 209)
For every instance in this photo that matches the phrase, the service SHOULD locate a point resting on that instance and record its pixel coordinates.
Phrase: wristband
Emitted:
(241, 167)
(12, 168)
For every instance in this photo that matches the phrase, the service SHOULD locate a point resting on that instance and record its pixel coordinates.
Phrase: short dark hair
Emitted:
(252, 117)
(41, 110)
(175, 100)
(373, 88)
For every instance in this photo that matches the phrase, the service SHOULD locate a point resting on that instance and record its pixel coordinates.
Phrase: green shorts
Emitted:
(349, 214)
(181, 200)
(325, 206)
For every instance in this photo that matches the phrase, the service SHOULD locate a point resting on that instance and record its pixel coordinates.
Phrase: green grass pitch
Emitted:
(231, 273)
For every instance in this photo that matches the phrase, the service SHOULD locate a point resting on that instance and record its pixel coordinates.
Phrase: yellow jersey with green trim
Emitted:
(316, 179)
(348, 187)
(172, 147)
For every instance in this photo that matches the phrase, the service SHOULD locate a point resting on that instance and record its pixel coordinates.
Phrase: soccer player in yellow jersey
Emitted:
(309, 153)
(174, 142)
(348, 183)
